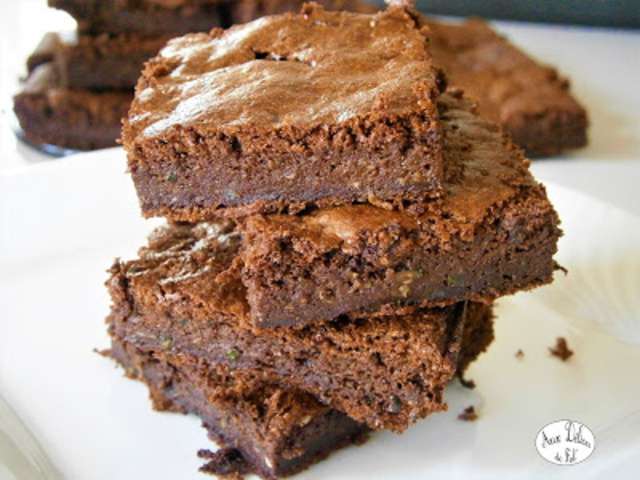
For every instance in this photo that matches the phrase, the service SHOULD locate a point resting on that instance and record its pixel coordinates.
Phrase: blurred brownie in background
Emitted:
(145, 17)
(78, 119)
(177, 17)
(104, 61)
(530, 100)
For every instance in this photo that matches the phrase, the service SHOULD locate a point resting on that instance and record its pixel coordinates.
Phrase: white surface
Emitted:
(75, 216)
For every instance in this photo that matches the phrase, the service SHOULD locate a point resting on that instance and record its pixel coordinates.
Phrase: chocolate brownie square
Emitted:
(530, 100)
(184, 295)
(244, 11)
(104, 61)
(493, 233)
(145, 17)
(317, 108)
(44, 51)
(260, 426)
(77, 119)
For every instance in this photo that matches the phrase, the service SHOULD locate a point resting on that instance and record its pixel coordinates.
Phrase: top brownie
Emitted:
(318, 108)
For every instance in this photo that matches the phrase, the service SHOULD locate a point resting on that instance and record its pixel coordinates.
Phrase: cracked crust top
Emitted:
(291, 71)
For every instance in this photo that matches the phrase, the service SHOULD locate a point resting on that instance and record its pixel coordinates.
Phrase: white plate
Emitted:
(61, 226)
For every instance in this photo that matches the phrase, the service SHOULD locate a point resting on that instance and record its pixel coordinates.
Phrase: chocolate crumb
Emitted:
(226, 463)
(468, 414)
(561, 349)
(557, 266)
(467, 383)
(519, 354)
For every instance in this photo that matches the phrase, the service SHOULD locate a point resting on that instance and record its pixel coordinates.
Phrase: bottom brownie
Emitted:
(74, 119)
(270, 431)
(261, 428)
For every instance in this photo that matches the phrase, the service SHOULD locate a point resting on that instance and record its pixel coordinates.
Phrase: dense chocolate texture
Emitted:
(273, 431)
(276, 432)
(104, 61)
(318, 108)
(145, 17)
(184, 295)
(531, 101)
(76, 119)
(493, 232)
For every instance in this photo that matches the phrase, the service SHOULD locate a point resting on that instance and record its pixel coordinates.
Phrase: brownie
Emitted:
(184, 294)
(530, 100)
(493, 233)
(77, 119)
(275, 432)
(244, 11)
(145, 17)
(318, 108)
(103, 61)
(263, 427)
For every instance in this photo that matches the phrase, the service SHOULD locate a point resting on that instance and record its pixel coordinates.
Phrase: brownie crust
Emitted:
(77, 119)
(493, 233)
(253, 120)
(530, 100)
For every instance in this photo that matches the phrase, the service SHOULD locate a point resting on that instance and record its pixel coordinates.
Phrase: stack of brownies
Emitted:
(80, 84)
(339, 225)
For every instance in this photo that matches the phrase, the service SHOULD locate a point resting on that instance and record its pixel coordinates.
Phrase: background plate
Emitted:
(61, 226)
